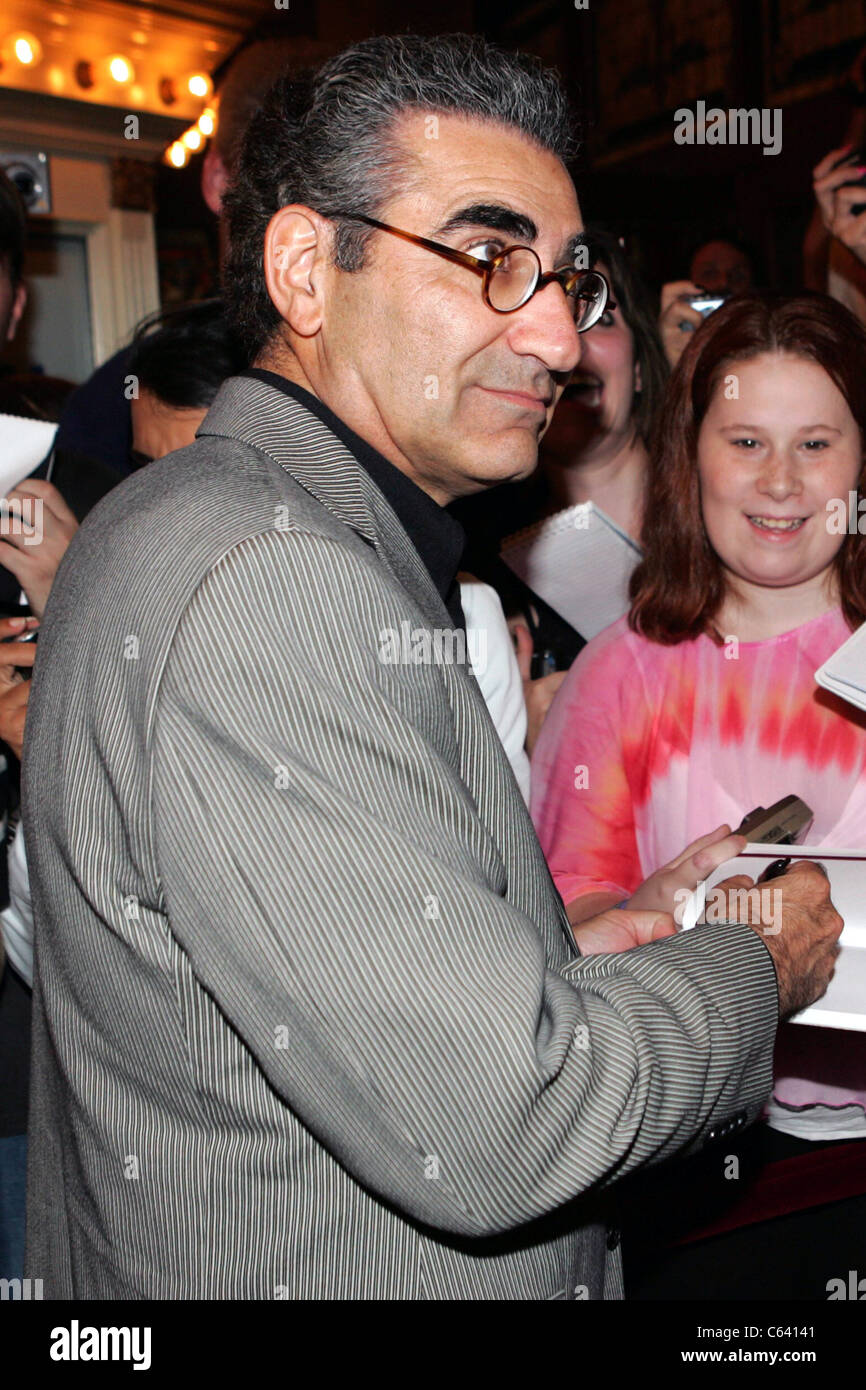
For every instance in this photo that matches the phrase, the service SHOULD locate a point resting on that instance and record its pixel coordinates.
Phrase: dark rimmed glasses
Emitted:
(511, 278)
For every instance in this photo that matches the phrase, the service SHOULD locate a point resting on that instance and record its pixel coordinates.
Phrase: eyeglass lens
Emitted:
(513, 280)
(589, 298)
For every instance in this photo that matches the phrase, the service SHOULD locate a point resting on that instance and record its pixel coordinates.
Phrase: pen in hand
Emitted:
(774, 870)
(780, 866)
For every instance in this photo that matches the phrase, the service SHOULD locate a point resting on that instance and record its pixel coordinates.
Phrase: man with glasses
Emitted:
(311, 1021)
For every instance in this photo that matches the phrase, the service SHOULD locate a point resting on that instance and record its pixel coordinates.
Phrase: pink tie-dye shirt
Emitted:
(647, 747)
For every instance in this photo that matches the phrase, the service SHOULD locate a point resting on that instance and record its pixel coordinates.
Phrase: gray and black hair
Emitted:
(325, 139)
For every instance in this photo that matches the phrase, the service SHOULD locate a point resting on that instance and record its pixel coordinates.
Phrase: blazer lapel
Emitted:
(256, 413)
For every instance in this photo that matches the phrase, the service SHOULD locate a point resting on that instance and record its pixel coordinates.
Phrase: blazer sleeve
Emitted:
(324, 867)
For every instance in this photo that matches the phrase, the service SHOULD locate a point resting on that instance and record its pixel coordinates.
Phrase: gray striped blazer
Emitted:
(309, 1021)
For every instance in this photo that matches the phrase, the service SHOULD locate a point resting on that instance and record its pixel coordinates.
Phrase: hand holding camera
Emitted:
(840, 191)
(684, 306)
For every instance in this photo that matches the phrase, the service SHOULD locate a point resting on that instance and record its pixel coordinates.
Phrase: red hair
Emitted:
(677, 589)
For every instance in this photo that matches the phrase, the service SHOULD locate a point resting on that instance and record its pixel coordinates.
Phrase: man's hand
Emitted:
(675, 310)
(804, 951)
(14, 689)
(619, 929)
(662, 891)
(35, 564)
(835, 203)
(798, 925)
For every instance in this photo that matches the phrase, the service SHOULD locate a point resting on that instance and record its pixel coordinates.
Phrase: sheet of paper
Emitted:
(23, 445)
(844, 673)
(844, 1004)
(579, 562)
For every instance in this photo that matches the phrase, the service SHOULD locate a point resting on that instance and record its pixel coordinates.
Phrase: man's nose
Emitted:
(545, 328)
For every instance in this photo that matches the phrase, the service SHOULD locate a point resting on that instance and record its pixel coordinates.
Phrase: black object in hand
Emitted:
(774, 870)
(786, 822)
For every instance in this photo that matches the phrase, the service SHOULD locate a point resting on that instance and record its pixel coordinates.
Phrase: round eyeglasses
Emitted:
(511, 278)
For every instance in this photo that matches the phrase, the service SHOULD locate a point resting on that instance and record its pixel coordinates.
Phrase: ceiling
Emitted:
(233, 14)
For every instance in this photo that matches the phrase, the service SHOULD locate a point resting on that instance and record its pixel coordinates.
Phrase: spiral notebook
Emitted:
(579, 562)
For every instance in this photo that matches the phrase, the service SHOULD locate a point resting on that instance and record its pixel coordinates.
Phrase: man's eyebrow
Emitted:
(572, 246)
(492, 215)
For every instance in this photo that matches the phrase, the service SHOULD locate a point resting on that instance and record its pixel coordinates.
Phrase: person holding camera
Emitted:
(718, 269)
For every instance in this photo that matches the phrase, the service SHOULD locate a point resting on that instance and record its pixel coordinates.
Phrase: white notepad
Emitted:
(579, 562)
(23, 445)
(844, 1004)
(844, 673)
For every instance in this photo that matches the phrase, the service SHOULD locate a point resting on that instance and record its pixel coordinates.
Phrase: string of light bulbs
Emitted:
(117, 71)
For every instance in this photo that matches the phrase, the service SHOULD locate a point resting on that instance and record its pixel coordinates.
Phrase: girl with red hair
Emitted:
(702, 703)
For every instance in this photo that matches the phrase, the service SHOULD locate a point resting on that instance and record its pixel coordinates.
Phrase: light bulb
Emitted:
(176, 155)
(199, 85)
(120, 69)
(207, 122)
(192, 138)
(26, 49)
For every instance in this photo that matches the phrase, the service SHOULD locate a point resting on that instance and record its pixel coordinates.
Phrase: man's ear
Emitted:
(296, 251)
(214, 180)
(19, 300)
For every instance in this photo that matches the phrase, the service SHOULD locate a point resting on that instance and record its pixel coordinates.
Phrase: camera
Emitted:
(705, 303)
(786, 822)
(28, 170)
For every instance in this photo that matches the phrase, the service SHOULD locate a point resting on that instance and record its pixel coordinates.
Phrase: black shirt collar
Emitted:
(435, 533)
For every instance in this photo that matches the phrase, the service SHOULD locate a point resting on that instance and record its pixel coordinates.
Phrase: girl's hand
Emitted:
(662, 891)
(836, 203)
(675, 311)
(14, 689)
(620, 929)
(538, 694)
(34, 552)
